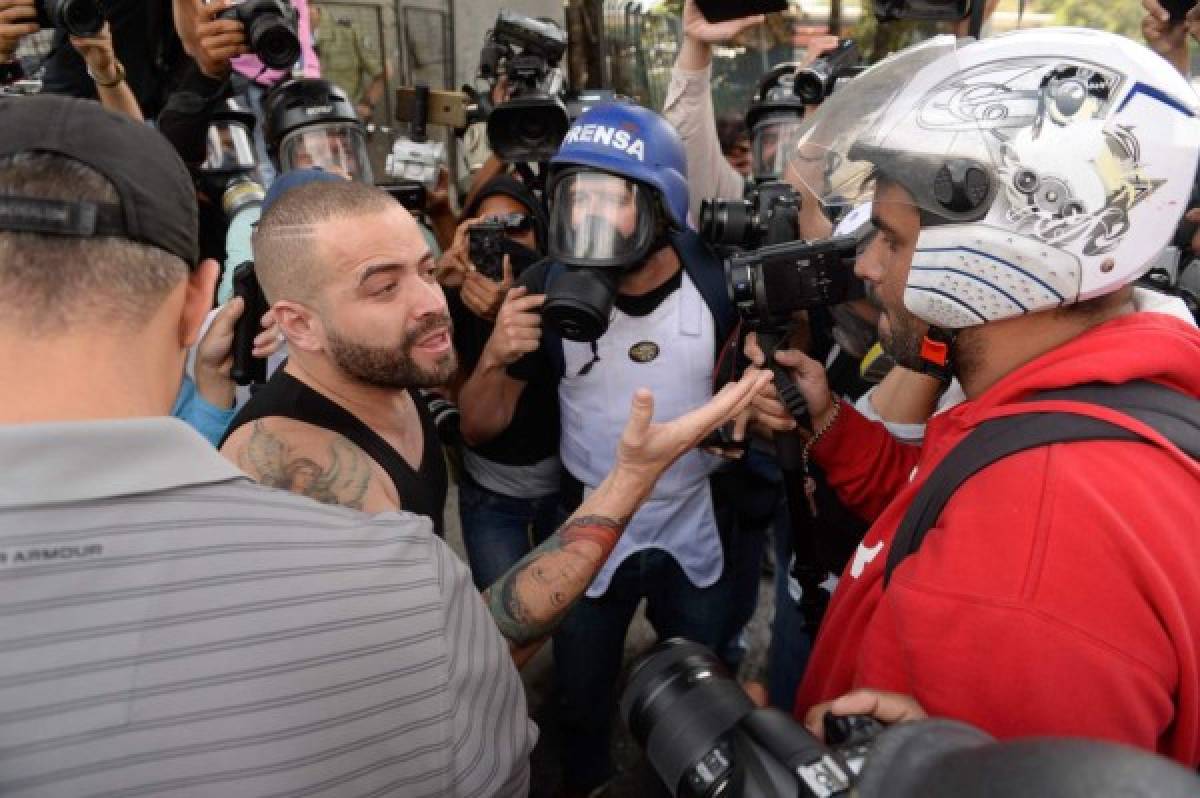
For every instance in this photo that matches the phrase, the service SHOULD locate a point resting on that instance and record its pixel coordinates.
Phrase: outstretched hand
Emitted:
(648, 449)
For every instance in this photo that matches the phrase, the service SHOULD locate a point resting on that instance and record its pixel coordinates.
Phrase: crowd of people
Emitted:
(989, 513)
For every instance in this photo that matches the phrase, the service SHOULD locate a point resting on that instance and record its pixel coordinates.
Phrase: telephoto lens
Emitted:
(680, 703)
(271, 30)
(77, 17)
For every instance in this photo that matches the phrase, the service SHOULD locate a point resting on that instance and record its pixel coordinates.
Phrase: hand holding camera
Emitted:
(483, 295)
(18, 18)
(810, 379)
(97, 52)
(518, 329)
(218, 39)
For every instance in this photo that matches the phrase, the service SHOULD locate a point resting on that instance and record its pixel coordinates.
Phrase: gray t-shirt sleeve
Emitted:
(489, 733)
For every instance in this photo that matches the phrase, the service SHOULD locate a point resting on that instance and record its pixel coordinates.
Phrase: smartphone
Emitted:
(1177, 8)
(926, 10)
(721, 10)
(248, 369)
(447, 108)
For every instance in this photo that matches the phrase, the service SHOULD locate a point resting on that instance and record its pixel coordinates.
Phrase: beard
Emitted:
(902, 334)
(394, 367)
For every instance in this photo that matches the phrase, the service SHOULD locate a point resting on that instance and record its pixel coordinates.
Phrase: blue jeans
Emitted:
(791, 642)
(588, 648)
(499, 530)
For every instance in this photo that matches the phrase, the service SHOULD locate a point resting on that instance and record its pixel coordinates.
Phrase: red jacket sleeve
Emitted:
(864, 464)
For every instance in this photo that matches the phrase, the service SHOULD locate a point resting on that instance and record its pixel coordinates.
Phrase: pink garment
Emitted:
(251, 67)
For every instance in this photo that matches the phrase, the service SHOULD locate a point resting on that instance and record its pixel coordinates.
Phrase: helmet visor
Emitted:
(598, 219)
(770, 149)
(230, 148)
(339, 147)
(834, 159)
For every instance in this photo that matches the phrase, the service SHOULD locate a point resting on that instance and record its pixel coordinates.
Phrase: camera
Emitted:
(813, 84)
(488, 242)
(411, 194)
(928, 10)
(770, 284)
(704, 737)
(271, 30)
(529, 127)
(76, 17)
(770, 214)
(416, 161)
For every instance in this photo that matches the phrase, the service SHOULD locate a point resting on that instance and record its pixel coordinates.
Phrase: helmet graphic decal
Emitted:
(1029, 113)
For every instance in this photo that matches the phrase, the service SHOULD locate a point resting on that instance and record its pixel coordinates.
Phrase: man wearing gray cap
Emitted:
(170, 627)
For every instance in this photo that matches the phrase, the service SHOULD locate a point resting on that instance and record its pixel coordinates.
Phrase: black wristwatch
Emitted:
(10, 72)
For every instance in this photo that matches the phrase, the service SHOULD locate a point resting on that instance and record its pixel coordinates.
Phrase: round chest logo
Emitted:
(643, 352)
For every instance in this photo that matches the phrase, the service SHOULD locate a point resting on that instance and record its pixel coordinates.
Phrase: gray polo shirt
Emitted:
(170, 628)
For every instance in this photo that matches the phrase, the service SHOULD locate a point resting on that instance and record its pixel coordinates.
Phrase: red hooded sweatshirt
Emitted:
(1059, 592)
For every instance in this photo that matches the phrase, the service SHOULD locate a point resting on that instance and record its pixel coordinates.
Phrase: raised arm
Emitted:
(531, 599)
(489, 397)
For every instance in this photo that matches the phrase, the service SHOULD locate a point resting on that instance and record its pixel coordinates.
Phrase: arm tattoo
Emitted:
(530, 600)
(269, 459)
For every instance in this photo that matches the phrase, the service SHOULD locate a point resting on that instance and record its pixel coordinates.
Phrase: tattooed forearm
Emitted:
(343, 480)
(530, 600)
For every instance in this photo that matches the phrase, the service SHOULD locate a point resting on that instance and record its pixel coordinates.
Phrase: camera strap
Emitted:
(1172, 414)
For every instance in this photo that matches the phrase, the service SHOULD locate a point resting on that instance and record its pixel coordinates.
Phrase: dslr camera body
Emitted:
(529, 127)
(76, 17)
(705, 738)
(488, 242)
(271, 30)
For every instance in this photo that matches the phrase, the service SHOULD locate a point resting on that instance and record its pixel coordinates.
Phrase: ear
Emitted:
(300, 324)
(197, 301)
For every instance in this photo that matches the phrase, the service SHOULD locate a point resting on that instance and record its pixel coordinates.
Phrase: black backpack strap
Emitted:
(1174, 415)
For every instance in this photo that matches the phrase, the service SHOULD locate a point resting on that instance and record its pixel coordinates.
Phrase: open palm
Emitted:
(649, 449)
(699, 28)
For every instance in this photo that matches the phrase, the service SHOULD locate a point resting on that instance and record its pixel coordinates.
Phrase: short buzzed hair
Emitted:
(52, 284)
(286, 258)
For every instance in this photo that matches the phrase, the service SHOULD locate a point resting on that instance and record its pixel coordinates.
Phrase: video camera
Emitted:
(271, 30)
(76, 17)
(704, 738)
(529, 127)
(813, 84)
(488, 242)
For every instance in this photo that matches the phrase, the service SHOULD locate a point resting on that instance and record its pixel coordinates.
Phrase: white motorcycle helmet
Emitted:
(1049, 166)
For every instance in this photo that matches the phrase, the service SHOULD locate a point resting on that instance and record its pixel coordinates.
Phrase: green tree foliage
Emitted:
(1118, 16)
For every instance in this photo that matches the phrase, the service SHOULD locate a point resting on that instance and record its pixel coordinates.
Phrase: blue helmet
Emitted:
(632, 142)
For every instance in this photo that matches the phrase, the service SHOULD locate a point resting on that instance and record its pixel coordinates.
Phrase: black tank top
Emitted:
(422, 492)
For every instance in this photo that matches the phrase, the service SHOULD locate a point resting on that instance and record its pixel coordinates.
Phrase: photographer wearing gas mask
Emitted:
(629, 297)
(1044, 534)
(508, 494)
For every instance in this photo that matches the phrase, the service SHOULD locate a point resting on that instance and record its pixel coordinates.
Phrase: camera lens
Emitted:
(726, 222)
(79, 17)
(810, 88)
(680, 702)
(274, 41)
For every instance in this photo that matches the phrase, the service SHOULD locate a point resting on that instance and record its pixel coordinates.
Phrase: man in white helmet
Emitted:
(1020, 184)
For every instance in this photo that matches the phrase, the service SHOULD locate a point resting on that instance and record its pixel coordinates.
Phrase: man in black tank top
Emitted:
(350, 280)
